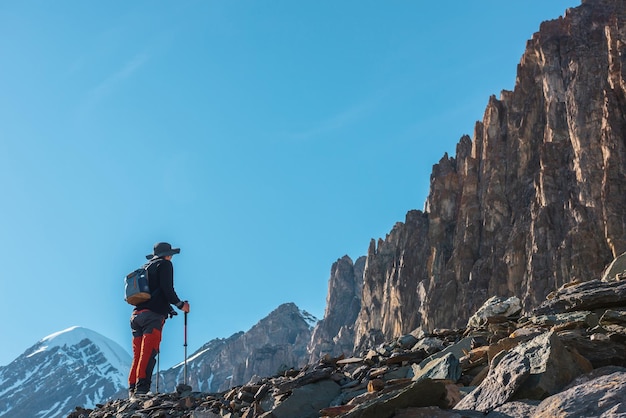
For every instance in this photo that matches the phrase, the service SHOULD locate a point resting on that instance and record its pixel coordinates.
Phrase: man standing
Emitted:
(148, 318)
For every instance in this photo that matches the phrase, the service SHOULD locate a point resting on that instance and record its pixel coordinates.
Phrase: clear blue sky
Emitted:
(267, 139)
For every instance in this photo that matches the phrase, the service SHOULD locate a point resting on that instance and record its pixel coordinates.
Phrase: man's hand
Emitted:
(185, 307)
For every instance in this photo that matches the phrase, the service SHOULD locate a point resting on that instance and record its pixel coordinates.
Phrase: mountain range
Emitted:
(78, 366)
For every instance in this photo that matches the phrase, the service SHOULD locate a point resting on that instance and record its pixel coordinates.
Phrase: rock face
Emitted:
(334, 334)
(535, 199)
(277, 342)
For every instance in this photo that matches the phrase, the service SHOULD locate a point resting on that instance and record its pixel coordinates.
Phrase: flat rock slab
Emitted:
(585, 296)
(350, 360)
(424, 393)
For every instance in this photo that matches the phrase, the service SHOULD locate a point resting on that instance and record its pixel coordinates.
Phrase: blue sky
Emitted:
(267, 139)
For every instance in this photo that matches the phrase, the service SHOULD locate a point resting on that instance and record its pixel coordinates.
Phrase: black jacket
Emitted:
(161, 282)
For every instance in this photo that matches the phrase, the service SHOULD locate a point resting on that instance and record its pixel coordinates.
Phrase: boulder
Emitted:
(617, 267)
(500, 384)
(307, 400)
(613, 317)
(458, 350)
(552, 366)
(446, 367)
(429, 345)
(424, 393)
(495, 306)
(604, 396)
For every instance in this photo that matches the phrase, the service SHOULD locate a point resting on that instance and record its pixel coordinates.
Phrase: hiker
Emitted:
(148, 318)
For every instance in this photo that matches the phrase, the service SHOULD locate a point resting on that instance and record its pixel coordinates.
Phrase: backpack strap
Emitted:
(145, 267)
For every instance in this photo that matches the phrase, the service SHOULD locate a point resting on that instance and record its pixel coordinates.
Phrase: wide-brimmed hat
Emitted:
(161, 249)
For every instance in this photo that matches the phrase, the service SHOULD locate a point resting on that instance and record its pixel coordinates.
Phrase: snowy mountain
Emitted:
(73, 367)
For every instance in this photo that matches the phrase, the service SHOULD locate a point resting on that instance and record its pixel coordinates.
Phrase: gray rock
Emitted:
(429, 345)
(407, 341)
(205, 414)
(584, 296)
(458, 350)
(552, 366)
(495, 306)
(499, 385)
(604, 396)
(398, 373)
(586, 318)
(419, 394)
(594, 374)
(522, 408)
(614, 317)
(617, 267)
(446, 367)
(597, 348)
(306, 401)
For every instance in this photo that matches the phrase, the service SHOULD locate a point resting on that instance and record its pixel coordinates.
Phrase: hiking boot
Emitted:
(143, 387)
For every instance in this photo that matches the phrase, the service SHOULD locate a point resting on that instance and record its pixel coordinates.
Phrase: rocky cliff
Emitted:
(334, 334)
(534, 199)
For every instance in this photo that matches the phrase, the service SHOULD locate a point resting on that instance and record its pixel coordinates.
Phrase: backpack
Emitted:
(137, 287)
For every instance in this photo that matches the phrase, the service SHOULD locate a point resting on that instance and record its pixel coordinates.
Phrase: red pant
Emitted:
(147, 327)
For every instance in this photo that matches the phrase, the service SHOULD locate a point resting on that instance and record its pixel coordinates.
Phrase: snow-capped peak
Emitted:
(113, 352)
(83, 367)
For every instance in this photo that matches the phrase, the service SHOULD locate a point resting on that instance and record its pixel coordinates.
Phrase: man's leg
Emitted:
(137, 333)
(150, 342)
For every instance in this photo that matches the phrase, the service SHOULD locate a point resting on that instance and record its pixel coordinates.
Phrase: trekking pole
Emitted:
(158, 370)
(185, 345)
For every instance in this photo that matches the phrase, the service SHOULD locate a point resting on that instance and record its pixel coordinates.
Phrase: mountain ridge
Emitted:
(79, 354)
(67, 368)
(533, 200)
(277, 341)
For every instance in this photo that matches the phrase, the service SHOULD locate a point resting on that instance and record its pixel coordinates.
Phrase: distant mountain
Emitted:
(278, 341)
(73, 367)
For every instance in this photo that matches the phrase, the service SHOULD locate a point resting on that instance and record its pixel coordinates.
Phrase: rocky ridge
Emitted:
(567, 359)
(277, 342)
(334, 334)
(534, 199)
